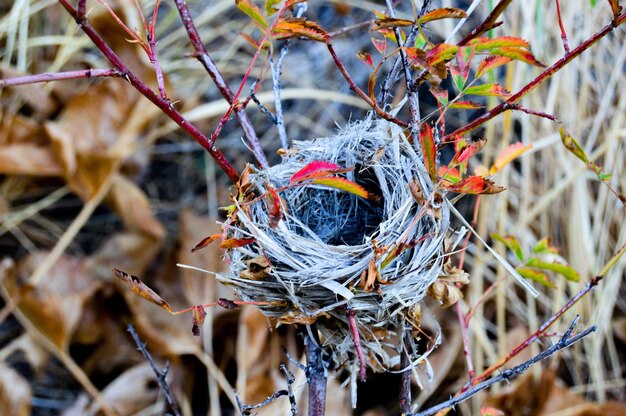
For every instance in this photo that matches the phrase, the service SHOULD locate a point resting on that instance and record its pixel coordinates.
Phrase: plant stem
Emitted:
(147, 92)
(59, 76)
(508, 104)
(316, 374)
(405, 377)
(489, 23)
(205, 59)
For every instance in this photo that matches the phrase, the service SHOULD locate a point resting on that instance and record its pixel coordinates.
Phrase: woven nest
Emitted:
(326, 255)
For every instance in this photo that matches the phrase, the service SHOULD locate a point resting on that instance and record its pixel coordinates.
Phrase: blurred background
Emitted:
(93, 176)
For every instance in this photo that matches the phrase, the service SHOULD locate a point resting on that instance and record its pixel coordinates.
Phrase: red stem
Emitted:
(508, 104)
(59, 76)
(563, 34)
(357, 343)
(140, 86)
(489, 23)
(205, 59)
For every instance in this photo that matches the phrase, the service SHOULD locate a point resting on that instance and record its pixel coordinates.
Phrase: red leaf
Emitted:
(427, 143)
(444, 13)
(227, 304)
(343, 185)
(485, 44)
(205, 242)
(468, 151)
(508, 155)
(493, 89)
(273, 206)
(294, 27)
(198, 314)
(252, 10)
(316, 169)
(441, 53)
(518, 54)
(466, 105)
(473, 185)
(236, 242)
(366, 58)
(440, 94)
(139, 288)
(380, 45)
(489, 63)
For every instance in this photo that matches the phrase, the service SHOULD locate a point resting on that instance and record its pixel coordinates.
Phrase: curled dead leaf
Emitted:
(139, 288)
(258, 268)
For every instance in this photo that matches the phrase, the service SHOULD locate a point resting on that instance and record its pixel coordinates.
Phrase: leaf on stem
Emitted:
(380, 45)
(343, 185)
(566, 271)
(273, 202)
(486, 44)
(493, 90)
(572, 145)
(544, 246)
(205, 242)
(519, 54)
(252, 11)
(236, 242)
(366, 58)
(511, 243)
(139, 288)
(536, 276)
(443, 13)
(389, 22)
(509, 154)
(466, 105)
(316, 169)
(429, 150)
(491, 63)
(441, 53)
(473, 185)
(199, 314)
(296, 27)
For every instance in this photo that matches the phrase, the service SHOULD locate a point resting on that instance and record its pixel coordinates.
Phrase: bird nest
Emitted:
(335, 256)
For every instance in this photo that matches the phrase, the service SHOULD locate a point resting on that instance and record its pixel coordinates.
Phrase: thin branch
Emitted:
(563, 33)
(292, 398)
(565, 342)
(316, 373)
(354, 330)
(205, 59)
(160, 374)
(405, 377)
(259, 104)
(59, 76)
(153, 55)
(280, 121)
(247, 409)
(507, 105)
(147, 92)
(489, 23)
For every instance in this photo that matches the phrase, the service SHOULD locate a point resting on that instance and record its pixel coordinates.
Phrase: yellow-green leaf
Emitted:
(252, 10)
(343, 185)
(511, 243)
(443, 13)
(566, 271)
(493, 89)
(572, 145)
(536, 276)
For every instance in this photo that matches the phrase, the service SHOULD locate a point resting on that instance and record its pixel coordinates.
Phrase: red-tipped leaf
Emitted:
(474, 185)
(508, 155)
(490, 63)
(343, 185)
(316, 169)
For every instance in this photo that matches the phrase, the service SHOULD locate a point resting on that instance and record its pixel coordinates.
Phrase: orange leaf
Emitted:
(236, 242)
(444, 13)
(205, 242)
(489, 63)
(416, 56)
(294, 27)
(389, 22)
(485, 44)
(467, 152)
(344, 185)
(316, 169)
(493, 89)
(441, 53)
(139, 288)
(273, 206)
(466, 105)
(508, 155)
(427, 143)
(518, 54)
(199, 314)
(473, 185)
(252, 10)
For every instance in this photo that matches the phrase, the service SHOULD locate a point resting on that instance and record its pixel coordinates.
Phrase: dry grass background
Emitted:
(67, 147)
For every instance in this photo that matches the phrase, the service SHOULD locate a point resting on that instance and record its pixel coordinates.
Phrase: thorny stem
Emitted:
(147, 92)
(508, 104)
(153, 56)
(160, 374)
(382, 113)
(563, 33)
(203, 56)
(354, 330)
(565, 342)
(316, 373)
(59, 76)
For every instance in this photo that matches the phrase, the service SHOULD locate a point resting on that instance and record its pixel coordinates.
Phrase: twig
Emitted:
(259, 104)
(565, 342)
(247, 409)
(405, 377)
(160, 374)
(563, 33)
(139, 85)
(489, 23)
(316, 373)
(59, 76)
(280, 121)
(292, 398)
(354, 330)
(205, 59)
(153, 56)
(538, 80)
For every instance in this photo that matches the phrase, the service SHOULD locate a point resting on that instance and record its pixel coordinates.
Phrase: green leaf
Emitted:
(252, 10)
(270, 6)
(511, 243)
(492, 89)
(536, 276)
(343, 185)
(572, 145)
(566, 271)
(544, 246)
